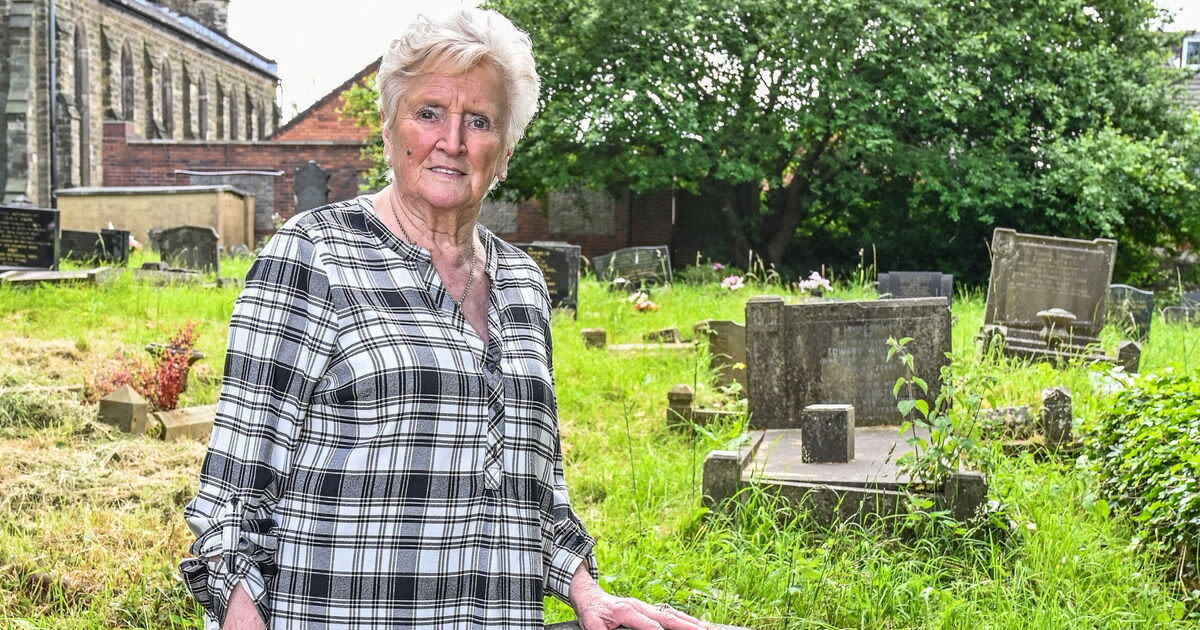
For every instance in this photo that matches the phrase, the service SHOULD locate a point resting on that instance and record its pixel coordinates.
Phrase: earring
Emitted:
(387, 158)
(504, 176)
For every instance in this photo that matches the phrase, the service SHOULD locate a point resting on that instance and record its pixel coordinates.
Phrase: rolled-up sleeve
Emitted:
(570, 543)
(281, 336)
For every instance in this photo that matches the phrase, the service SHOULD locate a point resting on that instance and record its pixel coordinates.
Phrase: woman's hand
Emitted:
(242, 615)
(598, 610)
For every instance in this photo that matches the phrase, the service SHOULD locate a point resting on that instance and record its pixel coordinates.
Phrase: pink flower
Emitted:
(733, 283)
(717, 266)
(815, 282)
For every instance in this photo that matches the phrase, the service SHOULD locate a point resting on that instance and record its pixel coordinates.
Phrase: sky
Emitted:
(318, 44)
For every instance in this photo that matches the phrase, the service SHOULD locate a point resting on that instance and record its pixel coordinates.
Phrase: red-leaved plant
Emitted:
(159, 381)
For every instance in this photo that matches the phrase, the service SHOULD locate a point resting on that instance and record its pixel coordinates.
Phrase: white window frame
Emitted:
(1189, 41)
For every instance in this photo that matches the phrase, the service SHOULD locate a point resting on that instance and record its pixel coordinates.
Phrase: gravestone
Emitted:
(1190, 299)
(312, 186)
(1033, 273)
(1181, 314)
(637, 265)
(1056, 415)
(106, 246)
(1131, 308)
(726, 349)
(190, 247)
(28, 237)
(915, 284)
(559, 263)
(836, 353)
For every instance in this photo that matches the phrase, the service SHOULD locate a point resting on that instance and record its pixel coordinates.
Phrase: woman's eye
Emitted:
(427, 113)
(479, 122)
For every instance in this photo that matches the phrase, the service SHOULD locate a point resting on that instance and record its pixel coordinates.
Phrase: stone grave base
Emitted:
(16, 278)
(1025, 344)
(869, 486)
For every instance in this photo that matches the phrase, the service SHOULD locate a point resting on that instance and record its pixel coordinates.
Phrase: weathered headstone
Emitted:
(1190, 299)
(1131, 308)
(312, 186)
(1181, 314)
(915, 284)
(28, 237)
(106, 246)
(679, 406)
(1033, 273)
(827, 434)
(836, 353)
(1056, 415)
(193, 423)
(191, 247)
(559, 263)
(726, 349)
(637, 265)
(126, 410)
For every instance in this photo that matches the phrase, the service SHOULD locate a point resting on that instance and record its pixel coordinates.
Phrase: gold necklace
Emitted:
(470, 273)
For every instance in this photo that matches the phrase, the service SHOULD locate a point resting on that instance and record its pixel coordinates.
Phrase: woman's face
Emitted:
(452, 124)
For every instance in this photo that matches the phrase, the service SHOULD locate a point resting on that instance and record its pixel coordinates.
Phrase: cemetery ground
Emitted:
(91, 527)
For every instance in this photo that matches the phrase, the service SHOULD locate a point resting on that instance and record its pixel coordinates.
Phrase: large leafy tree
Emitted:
(915, 126)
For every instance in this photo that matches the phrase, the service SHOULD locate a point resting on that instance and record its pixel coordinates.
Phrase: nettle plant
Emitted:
(944, 438)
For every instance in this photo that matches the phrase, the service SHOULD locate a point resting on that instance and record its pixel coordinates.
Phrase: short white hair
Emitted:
(455, 43)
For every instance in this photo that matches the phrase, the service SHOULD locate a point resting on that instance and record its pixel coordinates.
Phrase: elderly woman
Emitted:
(386, 450)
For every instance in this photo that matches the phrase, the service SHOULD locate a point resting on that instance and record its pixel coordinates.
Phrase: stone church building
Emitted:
(165, 69)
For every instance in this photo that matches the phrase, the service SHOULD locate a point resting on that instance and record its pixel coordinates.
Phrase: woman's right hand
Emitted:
(242, 614)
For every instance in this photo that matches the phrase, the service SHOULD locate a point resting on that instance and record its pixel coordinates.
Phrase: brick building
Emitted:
(166, 69)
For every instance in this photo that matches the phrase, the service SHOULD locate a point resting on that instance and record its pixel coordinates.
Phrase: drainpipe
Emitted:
(52, 38)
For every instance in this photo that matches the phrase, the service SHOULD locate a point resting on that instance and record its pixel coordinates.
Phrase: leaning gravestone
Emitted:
(915, 284)
(312, 186)
(1181, 314)
(559, 263)
(1032, 273)
(106, 246)
(1131, 308)
(836, 353)
(28, 237)
(637, 265)
(191, 247)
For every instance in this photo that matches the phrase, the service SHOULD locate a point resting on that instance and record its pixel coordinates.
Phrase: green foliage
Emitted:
(360, 105)
(942, 444)
(1145, 450)
(914, 125)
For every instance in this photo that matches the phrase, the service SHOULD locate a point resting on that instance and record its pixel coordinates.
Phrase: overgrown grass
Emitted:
(90, 523)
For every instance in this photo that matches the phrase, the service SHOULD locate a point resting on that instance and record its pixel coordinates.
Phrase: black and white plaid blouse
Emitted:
(374, 463)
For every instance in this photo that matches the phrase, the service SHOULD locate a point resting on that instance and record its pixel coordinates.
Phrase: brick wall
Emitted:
(323, 123)
(129, 161)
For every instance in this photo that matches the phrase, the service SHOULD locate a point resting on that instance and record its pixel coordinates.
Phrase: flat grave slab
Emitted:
(99, 275)
(876, 450)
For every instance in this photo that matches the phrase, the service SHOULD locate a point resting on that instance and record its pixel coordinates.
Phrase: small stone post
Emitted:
(722, 477)
(594, 337)
(126, 410)
(827, 434)
(964, 494)
(679, 406)
(1056, 415)
(1129, 356)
